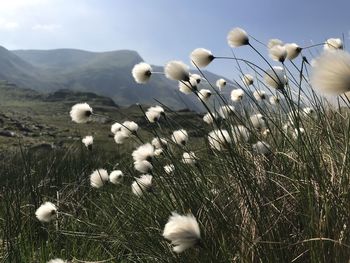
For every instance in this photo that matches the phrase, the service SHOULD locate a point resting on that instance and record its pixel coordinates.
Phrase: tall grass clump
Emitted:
(263, 178)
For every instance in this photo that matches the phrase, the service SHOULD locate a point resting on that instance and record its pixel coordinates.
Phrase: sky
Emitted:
(163, 30)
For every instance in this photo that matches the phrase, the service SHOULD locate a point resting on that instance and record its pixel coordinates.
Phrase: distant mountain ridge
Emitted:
(104, 73)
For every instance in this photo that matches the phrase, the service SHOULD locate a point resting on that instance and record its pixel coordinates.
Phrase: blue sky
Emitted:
(162, 30)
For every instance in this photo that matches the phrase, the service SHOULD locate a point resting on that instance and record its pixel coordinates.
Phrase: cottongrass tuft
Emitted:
(99, 178)
(201, 57)
(153, 114)
(258, 121)
(275, 78)
(120, 137)
(237, 37)
(259, 95)
(88, 141)
(226, 110)
(116, 127)
(274, 42)
(177, 70)
(169, 168)
(46, 212)
(293, 50)
(57, 260)
(209, 118)
(220, 84)
(196, 77)
(129, 128)
(247, 79)
(116, 177)
(187, 87)
(144, 152)
(142, 184)
(159, 143)
(143, 166)
(237, 94)
(262, 147)
(180, 137)
(240, 134)
(183, 232)
(278, 53)
(298, 132)
(142, 72)
(332, 44)
(204, 95)
(81, 112)
(331, 74)
(274, 100)
(219, 139)
(189, 158)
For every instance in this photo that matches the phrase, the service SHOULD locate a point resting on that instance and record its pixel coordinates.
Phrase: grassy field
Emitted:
(281, 194)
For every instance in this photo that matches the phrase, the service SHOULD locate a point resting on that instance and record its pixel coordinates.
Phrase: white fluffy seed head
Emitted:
(143, 166)
(142, 185)
(116, 177)
(189, 158)
(259, 95)
(187, 87)
(204, 95)
(81, 112)
(180, 137)
(293, 50)
(219, 139)
(144, 152)
(201, 57)
(98, 178)
(158, 152)
(46, 212)
(177, 70)
(331, 74)
(308, 111)
(274, 100)
(208, 118)
(297, 133)
(275, 78)
(226, 110)
(237, 37)
(159, 143)
(274, 42)
(240, 134)
(120, 137)
(169, 168)
(183, 231)
(278, 53)
(220, 84)
(247, 79)
(129, 128)
(262, 147)
(237, 94)
(142, 72)
(57, 260)
(88, 141)
(332, 44)
(116, 127)
(196, 77)
(258, 121)
(152, 116)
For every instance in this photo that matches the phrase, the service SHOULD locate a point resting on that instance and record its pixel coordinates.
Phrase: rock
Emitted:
(7, 133)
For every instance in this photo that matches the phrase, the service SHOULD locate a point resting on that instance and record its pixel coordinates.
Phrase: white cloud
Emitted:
(8, 25)
(10, 5)
(46, 27)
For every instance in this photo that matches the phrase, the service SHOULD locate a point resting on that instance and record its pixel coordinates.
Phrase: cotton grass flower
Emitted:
(158, 152)
(183, 232)
(274, 42)
(116, 177)
(187, 87)
(177, 70)
(180, 137)
(201, 57)
(259, 95)
(143, 166)
(209, 118)
(262, 147)
(219, 139)
(297, 133)
(220, 84)
(153, 114)
(293, 50)
(129, 128)
(332, 44)
(169, 168)
(159, 143)
(274, 100)
(240, 134)
(142, 185)
(204, 95)
(237, 94)
(331, 73)
(196, 77)
(144, 152)
(46, 212)
(88, 141)
(57, 260)
(99, 178)
(278, 53)
(226, 110)
(120, 137)
(142, 72)
(189, 158)
(81, 112)
(258, 121)
(237, 37)
(275, 78)
(116, 127)
(247, 79)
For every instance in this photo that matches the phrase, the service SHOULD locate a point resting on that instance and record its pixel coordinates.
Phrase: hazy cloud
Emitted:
(47, 27)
